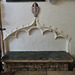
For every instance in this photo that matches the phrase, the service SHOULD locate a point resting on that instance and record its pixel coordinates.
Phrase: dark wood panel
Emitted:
(24, 0)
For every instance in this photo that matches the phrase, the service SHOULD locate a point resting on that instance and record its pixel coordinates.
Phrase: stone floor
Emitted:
(45, 73)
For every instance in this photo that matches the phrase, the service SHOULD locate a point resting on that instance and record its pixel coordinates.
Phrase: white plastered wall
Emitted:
(60, 15)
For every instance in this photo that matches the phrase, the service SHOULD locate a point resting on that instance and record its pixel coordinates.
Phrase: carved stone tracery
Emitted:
(43, 28)
(36, 25)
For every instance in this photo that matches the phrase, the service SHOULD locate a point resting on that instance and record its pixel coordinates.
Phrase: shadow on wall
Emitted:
(4, 22)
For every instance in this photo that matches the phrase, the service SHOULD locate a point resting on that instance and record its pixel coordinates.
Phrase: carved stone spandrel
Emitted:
(52, 1)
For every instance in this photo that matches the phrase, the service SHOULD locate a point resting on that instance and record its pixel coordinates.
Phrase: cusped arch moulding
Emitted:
(43, 28)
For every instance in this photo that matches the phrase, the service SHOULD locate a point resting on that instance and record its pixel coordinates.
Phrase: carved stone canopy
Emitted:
(36, 25)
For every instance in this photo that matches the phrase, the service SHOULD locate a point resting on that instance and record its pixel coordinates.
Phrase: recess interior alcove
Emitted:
(36, 43)
(33, 42)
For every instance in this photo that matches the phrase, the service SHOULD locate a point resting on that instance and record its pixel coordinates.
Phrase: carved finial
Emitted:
(35, 9)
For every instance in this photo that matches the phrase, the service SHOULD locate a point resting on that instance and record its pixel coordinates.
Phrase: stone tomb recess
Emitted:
(37, 48)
